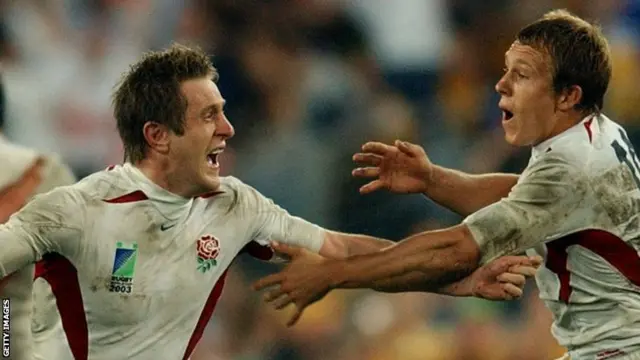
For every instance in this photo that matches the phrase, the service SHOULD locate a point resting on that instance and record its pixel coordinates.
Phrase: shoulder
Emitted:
(556, 166)
(236, 188)
(108, 184)
(550, 180)
(59, 205)
(231, 194)
(99, 186)
(235, 195)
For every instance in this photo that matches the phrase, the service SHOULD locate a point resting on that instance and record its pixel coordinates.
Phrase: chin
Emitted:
(207, 184)
(213, 183)
(515, 140)
(511, 139)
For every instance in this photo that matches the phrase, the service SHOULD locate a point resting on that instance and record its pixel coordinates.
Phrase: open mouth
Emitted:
(506, 115)
(213, 156)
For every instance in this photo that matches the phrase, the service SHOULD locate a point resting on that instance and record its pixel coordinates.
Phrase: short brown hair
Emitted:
(579, 53)
(150, 91)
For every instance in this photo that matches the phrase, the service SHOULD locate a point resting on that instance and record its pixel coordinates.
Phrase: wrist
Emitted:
(465, 287)
(337, 273)
(461, 288)
(432, 176)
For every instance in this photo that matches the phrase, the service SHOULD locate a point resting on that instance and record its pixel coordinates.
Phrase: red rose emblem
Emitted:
(208, 247)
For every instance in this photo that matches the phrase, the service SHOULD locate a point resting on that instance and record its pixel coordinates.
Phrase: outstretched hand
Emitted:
(401, 168)
(302, 282)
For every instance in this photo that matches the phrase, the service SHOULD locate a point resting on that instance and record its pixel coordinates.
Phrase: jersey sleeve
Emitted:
(49, 223)
(269, 222)
(546, 193)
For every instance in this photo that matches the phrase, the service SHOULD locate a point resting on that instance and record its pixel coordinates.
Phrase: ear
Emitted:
(157, 136)
(569, 98)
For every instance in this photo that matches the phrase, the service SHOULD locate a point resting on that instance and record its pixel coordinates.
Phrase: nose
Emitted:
(224, 128)
(502, 86)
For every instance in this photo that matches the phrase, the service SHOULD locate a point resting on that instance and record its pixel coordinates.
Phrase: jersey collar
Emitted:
(153, 191)
(576, 130)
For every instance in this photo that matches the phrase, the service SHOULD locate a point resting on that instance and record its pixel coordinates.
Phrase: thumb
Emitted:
(285, 249)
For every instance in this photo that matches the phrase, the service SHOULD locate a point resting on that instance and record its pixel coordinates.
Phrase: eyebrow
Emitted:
(522, 62)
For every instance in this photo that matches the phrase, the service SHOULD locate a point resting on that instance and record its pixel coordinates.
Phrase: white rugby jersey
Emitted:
(136, 270)
(15, 160)
(578, 205)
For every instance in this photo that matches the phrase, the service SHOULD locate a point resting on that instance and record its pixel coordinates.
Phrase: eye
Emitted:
(211, 113)
(521, 75)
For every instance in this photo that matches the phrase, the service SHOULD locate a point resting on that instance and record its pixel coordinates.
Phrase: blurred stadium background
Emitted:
(307, 82)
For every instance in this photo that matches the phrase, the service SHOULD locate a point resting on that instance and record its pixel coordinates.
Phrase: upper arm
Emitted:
(56, 174)
(270, 222)
(546, 194)
(49, 223)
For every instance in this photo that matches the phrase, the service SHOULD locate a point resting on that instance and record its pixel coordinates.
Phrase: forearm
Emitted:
(363, 244)
(440, 257)
(466, 193)
(341, 245)
(415, 281)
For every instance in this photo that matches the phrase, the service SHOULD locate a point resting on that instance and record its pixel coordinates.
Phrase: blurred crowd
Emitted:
(306, 83)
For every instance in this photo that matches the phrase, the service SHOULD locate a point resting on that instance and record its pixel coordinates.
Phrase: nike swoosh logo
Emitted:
(165, 227)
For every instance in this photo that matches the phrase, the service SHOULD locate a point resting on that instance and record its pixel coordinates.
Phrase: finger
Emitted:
(292, 251)
(377, 148)
(536, 260)
(515, 279)
(369, 159)
(282, 302)
(366, 172)
(406, 148)
(507, 262)
(375, 185)
(523, 270)
(268, 281)
(513, 291)
(273, 294)
(296, 315)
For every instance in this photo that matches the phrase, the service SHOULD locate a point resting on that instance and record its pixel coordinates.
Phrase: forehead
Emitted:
(527, 55)
(200, 92)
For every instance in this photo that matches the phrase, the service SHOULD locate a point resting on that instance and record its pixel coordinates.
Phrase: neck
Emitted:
(568, 121)
(166, 176)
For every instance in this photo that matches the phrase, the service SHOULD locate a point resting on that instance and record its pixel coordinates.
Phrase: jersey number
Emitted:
(631, 161)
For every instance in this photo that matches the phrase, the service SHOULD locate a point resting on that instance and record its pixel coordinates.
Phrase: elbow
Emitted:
(334, 246)
(465, 251)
